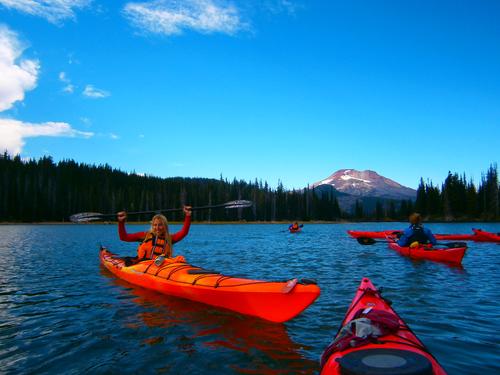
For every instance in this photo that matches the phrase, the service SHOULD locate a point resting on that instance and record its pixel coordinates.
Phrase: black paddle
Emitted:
(91, 216)
(371, 241)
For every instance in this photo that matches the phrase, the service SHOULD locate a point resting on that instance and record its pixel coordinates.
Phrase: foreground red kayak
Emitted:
(387, 346)
(276, 301)
(452, 255)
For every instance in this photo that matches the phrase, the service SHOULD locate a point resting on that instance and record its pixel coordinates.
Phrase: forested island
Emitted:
(44, 191)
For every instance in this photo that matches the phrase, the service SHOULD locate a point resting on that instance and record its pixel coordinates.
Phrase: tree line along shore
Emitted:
(37, 191)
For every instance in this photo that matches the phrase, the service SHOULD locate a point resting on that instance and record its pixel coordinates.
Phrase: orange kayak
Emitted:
(451, 255)
(388, 346)
(276, 301)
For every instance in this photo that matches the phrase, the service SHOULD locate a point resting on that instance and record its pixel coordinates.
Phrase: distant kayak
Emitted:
(478, 235)
(276, 301)
(451, 255)
(386, 347)
(484, 236)
(296, 229)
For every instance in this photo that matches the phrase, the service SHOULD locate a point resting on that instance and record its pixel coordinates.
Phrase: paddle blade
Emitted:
(238, 204)
(85, 216)
(365, 240)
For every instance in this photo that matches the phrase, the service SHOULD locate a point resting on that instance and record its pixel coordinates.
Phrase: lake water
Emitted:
(61, 312)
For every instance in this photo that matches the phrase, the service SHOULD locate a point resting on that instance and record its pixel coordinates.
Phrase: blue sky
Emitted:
(268, 89)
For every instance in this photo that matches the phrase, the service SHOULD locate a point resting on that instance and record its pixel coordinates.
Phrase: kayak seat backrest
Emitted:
(386, 321)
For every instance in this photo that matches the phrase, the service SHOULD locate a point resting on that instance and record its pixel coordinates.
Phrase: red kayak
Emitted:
(451, 255)
(385, 346)
(392, 233)
(484, 236)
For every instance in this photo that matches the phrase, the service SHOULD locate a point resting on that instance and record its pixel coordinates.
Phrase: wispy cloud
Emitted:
(13, 133)
(16, 77)
(54, 11)
(86, 121)
(92, 92)
(280, 6)
(170, 17)
(69, 87)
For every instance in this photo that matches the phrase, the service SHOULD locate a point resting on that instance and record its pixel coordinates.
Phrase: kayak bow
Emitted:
(397, 352)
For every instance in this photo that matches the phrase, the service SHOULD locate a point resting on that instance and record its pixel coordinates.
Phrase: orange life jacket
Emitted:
(153, 246)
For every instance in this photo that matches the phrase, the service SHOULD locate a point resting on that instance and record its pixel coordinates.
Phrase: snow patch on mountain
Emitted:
(367, 184)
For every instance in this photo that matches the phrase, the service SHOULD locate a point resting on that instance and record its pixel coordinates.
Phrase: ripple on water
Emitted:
(60, 312)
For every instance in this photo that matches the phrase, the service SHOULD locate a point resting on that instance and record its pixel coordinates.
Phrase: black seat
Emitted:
(384, 362)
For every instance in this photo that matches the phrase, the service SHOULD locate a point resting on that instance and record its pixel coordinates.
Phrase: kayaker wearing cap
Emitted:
(294, 226)
(157, 241)
(416, 234)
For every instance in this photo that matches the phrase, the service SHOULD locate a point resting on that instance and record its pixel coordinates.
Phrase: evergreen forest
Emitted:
(45, 191)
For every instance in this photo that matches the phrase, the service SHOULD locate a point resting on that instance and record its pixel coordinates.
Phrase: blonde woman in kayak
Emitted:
(157, 241)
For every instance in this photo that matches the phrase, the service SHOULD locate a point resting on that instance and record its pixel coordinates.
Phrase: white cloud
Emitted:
(69, 87)
(54, 11)
(170, 17)
(95, 93)
(63, 78)
(13, 133)
(86, 121)
(280, 6)
(16, 77)
(114, 136)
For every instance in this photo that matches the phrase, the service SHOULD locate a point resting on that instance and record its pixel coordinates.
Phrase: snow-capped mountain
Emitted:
(366, 184)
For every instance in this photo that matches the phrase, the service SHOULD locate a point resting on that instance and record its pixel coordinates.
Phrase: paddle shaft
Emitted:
(89, 216)
(371, 241)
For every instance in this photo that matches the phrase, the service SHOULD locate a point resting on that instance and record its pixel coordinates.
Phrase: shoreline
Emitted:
(242, 222)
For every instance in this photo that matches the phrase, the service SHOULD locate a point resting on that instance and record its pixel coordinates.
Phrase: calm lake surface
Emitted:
(61, 312)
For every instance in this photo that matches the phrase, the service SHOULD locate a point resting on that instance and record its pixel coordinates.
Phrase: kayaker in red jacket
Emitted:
(157, 241)
(416, 233)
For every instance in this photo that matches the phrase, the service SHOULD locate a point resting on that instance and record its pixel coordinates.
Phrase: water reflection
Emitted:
(267, 346)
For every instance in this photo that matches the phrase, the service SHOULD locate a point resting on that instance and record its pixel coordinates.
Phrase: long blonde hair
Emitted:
(164, 220)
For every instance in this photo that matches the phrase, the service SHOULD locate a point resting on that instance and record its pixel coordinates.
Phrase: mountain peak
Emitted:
(367, 183)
